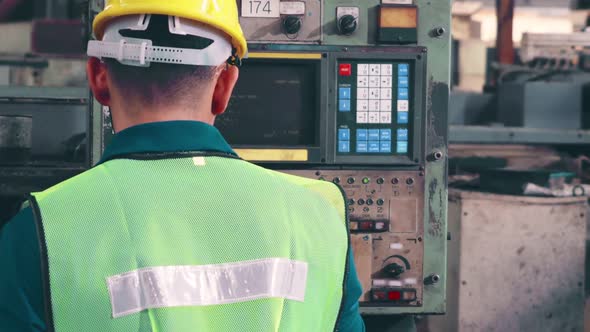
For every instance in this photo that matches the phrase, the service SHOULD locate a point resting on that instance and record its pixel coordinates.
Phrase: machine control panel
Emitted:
(385, 210)
(281, 20)
(373, 107)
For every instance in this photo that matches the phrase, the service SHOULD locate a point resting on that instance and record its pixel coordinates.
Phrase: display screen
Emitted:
(275, 103)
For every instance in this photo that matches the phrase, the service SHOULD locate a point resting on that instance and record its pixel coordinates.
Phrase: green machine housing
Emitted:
(355, 92)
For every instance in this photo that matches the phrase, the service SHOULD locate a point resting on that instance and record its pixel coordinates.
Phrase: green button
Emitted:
(366, 180)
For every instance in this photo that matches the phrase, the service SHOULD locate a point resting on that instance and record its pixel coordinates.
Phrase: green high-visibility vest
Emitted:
(203, 243)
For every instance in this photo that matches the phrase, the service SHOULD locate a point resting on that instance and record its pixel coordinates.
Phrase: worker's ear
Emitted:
(223, 89)
(98, 80)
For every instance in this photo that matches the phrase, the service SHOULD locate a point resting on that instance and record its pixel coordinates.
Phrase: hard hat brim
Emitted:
(112, 12)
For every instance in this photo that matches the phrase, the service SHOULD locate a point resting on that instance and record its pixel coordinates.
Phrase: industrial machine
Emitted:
(354, 92)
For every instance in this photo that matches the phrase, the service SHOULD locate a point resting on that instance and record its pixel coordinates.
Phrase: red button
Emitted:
(345, 69)
(394, 295)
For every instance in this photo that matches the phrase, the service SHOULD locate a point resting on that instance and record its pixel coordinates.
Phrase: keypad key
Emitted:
(385, 117)
(344, 106)
(403, 105)
(385, 134)
(374, 105)
(403, 82)
(402, 117)
(362, 135)
(344, 93)
(344, 146)
(403, 69)
(362, 117)
(374, 147)
(385, 106)
(374, 93)
(362, 147)
(375, 70)
(387, 70)
(385, 93)
(362, 93)
(386, 82)
(402, 94)
(374, 134)
(362, 105)
(362, 81)
(373, 117)
(402, 134)
(363, 69)
(402, 147)
(385, 147)
(344, 134)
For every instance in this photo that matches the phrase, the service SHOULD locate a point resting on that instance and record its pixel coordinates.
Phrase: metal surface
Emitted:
(514, 135)
(15, 138)
(517, 264)
(393, 198)
(23, 94)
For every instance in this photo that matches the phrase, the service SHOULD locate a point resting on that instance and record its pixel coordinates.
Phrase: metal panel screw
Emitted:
(437, 155)
(438, 32)
(432, 279)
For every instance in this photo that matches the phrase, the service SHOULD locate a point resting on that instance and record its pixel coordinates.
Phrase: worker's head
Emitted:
(158, 66)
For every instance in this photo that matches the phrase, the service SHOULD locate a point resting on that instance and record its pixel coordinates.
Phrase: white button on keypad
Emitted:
(362, 93)
(385, 93)
(403, 105)
(362, 117)
(375, 70)
(374, 117)
(386, 81)
(362, 81)
(374, 82)
(374, 93)
(385, 106)
(363, 69)
(374, 105)
(387, 70)
(362, 105)
(385, 118)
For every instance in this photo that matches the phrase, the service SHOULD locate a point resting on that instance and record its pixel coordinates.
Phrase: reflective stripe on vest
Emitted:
(134, 223)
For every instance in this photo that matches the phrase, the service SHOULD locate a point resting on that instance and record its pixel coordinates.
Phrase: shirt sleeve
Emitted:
(21, 299)
(351, 320)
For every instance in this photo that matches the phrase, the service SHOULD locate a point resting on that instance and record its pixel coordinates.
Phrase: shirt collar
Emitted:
(170, 136)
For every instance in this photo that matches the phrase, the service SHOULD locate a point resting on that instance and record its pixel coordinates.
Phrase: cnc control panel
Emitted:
(385, 213)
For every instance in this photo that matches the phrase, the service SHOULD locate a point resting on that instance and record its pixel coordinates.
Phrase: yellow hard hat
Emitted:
(220, 14)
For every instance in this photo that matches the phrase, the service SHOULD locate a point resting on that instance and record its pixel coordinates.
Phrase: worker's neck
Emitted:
(129, 118)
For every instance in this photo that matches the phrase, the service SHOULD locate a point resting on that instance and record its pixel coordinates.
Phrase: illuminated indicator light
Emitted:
(394, 295)
(379, 296)
(345, 69)
(396, 246)
(394, 283)
(354, 225)
(409, 295)
(380, 226)
(366, 180)
(366, 225)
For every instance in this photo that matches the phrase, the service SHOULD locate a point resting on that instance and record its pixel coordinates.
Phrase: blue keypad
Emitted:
(402, 147)
(344, 134)
(344, 93)
(362, 135)
(344, 106)
(362, 146)
(344, 146)
(385, 147)
(403, 82)
(374, 147)
(403, 69)
(402, 117)
(402, 93)
(373, 134)
(385, 135)
(402, 134)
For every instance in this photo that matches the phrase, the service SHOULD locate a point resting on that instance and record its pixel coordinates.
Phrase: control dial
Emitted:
(347, 25)
(291, 24)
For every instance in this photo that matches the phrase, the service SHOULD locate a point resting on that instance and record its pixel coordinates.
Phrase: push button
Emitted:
(344, 93)
(362, 147)
(385, 147)
(402, 134)
(344, 106)
(403, 82)
(345, 69)
(344, 146)
(373, 134)
(344, 134)
(374, 147)
(402, 117)
(385, 134)
(403, 69)
(402, 147)
(362, 135)
(402, 93)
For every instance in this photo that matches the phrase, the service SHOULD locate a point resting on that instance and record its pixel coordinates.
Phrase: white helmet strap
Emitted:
(141, 52)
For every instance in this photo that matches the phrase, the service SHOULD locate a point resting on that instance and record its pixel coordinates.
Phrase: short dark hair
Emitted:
(161, 81)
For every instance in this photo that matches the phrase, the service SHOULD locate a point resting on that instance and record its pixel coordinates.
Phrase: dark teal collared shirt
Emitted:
(21, 295)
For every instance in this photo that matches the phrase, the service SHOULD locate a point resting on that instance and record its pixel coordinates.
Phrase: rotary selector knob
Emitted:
(292, 25)
(347, 25)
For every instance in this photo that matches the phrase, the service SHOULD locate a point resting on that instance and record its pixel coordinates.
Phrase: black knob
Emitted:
(380, 202)
(347, 24)
(394, 269)
(380, 180)
(361, 201)
(336, 180)
(350, 180)
(370, 201)
(292, 25)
